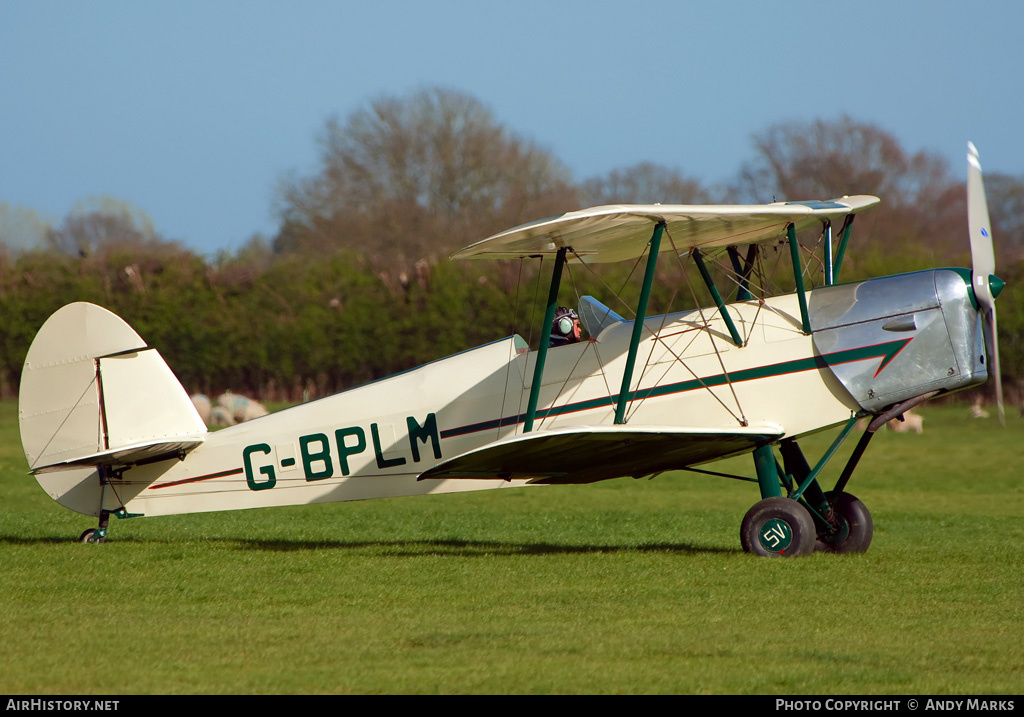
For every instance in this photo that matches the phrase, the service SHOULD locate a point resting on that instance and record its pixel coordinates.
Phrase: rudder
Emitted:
(94, 394)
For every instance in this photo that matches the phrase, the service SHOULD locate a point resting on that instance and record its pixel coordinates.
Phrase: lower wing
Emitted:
(586, 454)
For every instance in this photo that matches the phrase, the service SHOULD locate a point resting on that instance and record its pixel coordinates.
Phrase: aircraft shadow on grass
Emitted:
(411, 548)
(473, 548)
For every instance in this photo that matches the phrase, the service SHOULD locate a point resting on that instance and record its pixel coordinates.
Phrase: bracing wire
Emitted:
(758, 281)
(511, 348)
(536, 291)
(590, 344)
(741, 419)
(616, 294)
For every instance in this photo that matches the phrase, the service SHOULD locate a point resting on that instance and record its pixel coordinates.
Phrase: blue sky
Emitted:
(194, 111)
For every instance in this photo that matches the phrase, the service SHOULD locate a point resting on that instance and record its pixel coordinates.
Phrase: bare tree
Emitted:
(1006, 205)
(922, 203)
(823, 159)
(101, 222)
(425, 174)
(644, 183)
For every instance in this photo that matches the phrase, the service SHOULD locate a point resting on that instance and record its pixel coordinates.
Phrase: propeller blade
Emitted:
(983, 262)
(983, 258)
(993, 336)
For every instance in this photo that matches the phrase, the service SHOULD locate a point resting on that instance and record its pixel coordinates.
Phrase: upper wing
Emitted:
(621, 231)
(585, 454)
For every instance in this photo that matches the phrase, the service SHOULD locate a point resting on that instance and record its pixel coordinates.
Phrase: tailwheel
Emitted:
(99, 533)
(92, 535)
(853, 527)
(778, 527)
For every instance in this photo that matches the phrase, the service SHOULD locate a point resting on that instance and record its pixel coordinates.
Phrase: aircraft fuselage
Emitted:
(873, 344)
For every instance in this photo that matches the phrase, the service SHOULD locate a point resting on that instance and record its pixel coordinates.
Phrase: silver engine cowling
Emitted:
(896, 337)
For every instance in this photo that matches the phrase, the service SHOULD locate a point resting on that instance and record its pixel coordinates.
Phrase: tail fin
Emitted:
(93, 394)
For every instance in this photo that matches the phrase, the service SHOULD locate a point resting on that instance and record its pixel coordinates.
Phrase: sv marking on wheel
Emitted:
(776, 535)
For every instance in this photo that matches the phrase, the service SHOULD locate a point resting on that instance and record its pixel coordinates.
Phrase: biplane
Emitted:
(638, 397)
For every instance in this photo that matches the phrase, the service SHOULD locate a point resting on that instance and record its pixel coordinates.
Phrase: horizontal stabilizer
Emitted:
(586, 454)
(92, 393)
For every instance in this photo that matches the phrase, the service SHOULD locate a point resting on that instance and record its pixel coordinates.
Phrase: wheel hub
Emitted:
(775, 535)
(837, 533)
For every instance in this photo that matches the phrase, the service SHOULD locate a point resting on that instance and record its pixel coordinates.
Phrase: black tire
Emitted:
(856, 526)
(778, 527)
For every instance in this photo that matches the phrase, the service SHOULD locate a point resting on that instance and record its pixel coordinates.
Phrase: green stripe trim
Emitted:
(886, 352)
(222, 474)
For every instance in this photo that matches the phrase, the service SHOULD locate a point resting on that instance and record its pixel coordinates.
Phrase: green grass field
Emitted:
(621, 587)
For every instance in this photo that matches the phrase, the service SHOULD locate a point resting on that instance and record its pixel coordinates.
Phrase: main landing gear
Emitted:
(806, 518)
(784, 527)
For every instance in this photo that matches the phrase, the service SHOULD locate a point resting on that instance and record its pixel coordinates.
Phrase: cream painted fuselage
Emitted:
(374, 440)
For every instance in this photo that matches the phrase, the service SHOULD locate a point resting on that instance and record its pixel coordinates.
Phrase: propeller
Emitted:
(986, 284)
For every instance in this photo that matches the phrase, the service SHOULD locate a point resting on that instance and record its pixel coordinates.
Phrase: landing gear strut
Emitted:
(806, 518)
(99, 533)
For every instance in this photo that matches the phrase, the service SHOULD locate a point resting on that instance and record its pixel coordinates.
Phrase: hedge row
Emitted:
(288, 327)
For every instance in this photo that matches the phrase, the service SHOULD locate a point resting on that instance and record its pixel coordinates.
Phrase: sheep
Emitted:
(203, 406)
(911, 422)
(241, 408)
